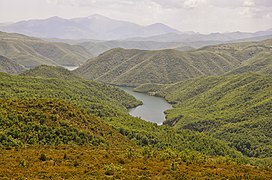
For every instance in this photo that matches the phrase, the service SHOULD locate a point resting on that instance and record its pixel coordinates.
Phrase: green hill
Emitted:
(261, 63)
(52, 122)
(9, 66)
(135, 67)
(110, 104)
(236, 109)
(31, 52)
(61, 127)
(97, 48)
(45, 71)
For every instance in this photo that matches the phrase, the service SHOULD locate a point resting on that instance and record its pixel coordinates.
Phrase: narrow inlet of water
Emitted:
(152, 109)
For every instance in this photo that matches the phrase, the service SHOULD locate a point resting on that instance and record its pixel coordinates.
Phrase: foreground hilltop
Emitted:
(134, 67)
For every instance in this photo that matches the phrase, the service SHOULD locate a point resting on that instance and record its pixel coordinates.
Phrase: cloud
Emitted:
(240, 3)
(264, 3)
(193, 3)
(249, 3)
(169, 4)
(246, 8)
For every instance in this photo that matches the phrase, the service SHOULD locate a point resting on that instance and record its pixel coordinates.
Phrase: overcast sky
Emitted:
(186, 15)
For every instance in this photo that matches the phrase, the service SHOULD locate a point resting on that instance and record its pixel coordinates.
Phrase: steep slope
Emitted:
(61, 83)
(236, 109)
(261, 63)
(9, 66)
(31, 52)
(55, 137)
(110, 104)
(134, 67)
(52, 122)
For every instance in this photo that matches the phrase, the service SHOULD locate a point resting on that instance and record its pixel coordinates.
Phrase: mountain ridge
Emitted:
(31, 52)
(134, 67)
(92, 27)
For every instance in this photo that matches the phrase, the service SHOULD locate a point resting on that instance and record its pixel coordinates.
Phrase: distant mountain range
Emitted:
(196, 37)
(92, 27)
(103, 28)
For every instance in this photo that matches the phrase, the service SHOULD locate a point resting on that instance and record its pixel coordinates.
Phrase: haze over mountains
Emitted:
(92, 27)
(103, 28)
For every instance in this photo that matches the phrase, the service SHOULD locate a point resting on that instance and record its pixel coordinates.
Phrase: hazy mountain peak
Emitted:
(158, 25)
(55, 18)
(161, 26)
(97, 17)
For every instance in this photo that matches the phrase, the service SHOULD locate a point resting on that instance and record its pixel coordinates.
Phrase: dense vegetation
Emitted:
(110, 104)
(236, 109)
(51, 122)
(45, 71)
(30, 52)
(136, 67)
(10, 66)
(83, 162)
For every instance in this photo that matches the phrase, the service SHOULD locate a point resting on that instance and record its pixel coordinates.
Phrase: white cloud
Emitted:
(192, 3)
(249, 3)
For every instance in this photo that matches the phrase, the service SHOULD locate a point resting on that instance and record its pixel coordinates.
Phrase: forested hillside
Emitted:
(31, 52)
(135, 67)
(110, 104)
(236, 109)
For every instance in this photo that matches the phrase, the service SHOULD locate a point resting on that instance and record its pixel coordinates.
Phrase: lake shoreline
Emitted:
(153, 107)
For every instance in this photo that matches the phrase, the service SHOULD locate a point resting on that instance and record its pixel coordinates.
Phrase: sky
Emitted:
(204, 16)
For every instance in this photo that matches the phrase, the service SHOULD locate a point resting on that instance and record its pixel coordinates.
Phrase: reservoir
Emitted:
(152, 109)
(70, 68)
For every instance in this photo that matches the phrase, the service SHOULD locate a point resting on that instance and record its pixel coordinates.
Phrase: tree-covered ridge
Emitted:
(10, 66)
(236, 109)
(45, 71)
(52, 122)
(134, 67)
(100, 98)
(109, 103)
(31, 52)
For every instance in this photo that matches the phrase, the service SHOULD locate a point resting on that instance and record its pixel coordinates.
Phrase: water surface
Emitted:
(152, 109)
(71, 68)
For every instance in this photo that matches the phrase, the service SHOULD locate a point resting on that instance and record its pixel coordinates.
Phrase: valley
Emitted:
(94, 97)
